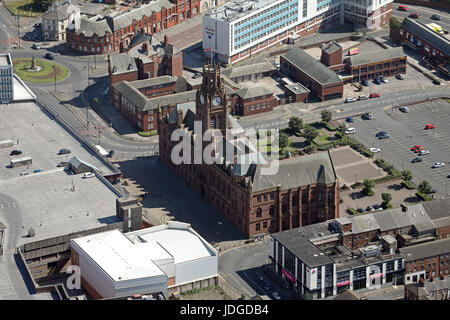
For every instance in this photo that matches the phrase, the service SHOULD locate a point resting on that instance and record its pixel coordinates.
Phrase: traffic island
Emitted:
(44, 71)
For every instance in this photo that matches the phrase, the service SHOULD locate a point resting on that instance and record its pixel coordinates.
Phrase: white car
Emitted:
(384, 80)
(438, 165)
(88, 175)
(404, 109)
(350, 130)
(424, 152)
(375, 150)
(350, 100)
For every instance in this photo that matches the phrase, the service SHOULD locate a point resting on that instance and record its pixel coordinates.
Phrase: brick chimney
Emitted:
(166, 40)
(179, 117)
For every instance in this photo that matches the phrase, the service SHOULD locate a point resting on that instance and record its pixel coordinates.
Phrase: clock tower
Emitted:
(211, 100)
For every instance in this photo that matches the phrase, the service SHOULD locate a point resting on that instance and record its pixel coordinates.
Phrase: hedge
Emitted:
(352, 211)
(408, 185)
(423, 196)
(329, 127)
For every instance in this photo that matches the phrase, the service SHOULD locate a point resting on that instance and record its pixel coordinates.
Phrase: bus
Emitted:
(102, 151)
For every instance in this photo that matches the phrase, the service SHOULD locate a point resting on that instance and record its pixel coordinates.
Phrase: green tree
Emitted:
(42, 5)
(424, 187)
(407, 175)
(310, 133)
(386, 200)
(326, 115)
(295, 124)
(284, 140)
(394, 23)
(368, 185)
(341, 128)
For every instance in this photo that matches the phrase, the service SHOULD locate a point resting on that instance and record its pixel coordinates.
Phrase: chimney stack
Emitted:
(166, 40)
(404, 208)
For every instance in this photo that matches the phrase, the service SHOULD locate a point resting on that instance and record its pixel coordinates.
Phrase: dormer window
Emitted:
(114, 69)
(130, 67)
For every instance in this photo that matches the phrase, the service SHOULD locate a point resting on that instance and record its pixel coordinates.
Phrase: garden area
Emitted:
(25, 8)
(45, 73)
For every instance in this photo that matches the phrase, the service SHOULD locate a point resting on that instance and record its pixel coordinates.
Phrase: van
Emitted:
(363, 98)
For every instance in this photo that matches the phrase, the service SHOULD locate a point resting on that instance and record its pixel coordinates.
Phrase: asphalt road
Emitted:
(407, 130)
(424, 14)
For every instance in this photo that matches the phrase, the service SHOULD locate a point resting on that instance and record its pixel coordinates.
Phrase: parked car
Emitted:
(361, 210)
(436, 17)
(106, 91)
(24, 173)
(49, 56)
(110, 153)
(365, 83)
(276, 296)
(88, 175)
(424, 152)
(350, 119)
(384, 136)
(384, 80)
(62, 164)
(404, 109)
(380, 133)
(277, 65)
(417, 148)
(377, 206)
(432, 191)
(377, 80)
(349, 99)
(430, 126)
(438, 165)
(375, 150)
(400, 76)
(367, 116)
(15, 153)
(370, 208)
(35, 46)
(374, 95)
(402, 8)
(197, 75)
(37, 170)
(64, 151)
(350, 130)
(417, 159)
(363, 98)
(414, 15)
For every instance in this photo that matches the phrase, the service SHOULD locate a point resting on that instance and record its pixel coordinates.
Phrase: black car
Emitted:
(361, 210)
(381, 133)
(435, 17)
(383, 136)
(417, 159)
(110, 153)
(365, 83)
(64, 151)
(15, 153)
(35, 46)
(49, 56)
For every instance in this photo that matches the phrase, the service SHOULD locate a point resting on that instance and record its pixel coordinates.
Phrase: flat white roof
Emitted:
(5, 59)
(183, 245)
(120, 258)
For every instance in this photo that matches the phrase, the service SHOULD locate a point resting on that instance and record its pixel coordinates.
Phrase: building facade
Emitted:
(239, 29)
(6, 78)
(113, 33)
(56, 20)
(304, 191)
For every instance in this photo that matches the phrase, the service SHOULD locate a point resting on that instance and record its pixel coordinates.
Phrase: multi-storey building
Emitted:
(6, 78)
(113, 33)
(303, 191)
(56, 20)
(239, 29)
(433, 289)
(395, 246)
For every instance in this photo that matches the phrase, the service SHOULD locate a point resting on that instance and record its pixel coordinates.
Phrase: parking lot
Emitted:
(407, 130)
(38, 137)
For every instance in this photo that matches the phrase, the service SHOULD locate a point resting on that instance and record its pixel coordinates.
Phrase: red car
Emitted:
(402, 8)
(414, 15)
(417, 148)
(374, 95)
(430, 126)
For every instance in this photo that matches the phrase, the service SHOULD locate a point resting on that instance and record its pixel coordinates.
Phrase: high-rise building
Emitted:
(6, 78)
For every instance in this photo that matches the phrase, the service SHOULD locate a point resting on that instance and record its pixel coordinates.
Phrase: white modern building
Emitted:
(6, 78)
(166, 258)
(240, 28)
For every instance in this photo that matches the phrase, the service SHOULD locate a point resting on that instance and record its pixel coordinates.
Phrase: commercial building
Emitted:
(418, 36)
(254, 100)
(114, 32)
(255, 71)
(166, 258)
(384, 62)
(322, 82)
(239, 29)
(303, 191)
(6, 78)
(433, 289)
(56, 20)
(324, 259)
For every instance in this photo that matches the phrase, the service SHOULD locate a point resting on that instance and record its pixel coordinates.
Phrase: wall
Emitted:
(198, 269)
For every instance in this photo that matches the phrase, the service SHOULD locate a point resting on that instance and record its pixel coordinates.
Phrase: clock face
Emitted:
(202, 99)
(216, 101)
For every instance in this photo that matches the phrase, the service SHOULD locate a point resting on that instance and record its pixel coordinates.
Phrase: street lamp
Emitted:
(355, 177)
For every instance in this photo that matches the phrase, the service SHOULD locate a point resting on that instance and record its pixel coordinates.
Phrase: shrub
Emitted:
(369, 192)
(366, 152)
(408, 185)
(329, 127)
(309, 149)
(423, 196)
(341, 200)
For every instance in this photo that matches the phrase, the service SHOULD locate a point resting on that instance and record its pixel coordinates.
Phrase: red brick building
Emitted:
(113, 33)
(304, 191)
(254, 100)
(433, 289)
(316, 77)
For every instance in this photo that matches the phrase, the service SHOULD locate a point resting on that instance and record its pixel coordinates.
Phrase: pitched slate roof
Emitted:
(428, 249)
(374, 56)
(76, 162)
(122, 63)
(296, 171)
(131, 94)
(247, 70)
(427, 34)
(253, 92)
(331, 47)
(310, 66)
(95, 25)
(138, 84)
(59, 13)
(437, 209)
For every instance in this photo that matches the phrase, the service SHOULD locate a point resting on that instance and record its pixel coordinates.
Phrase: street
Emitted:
(424, 14)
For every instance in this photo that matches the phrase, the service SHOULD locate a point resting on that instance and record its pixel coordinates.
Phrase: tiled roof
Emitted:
(374, 56)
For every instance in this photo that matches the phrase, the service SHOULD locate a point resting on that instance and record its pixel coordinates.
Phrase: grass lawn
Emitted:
(46, 74)
(23, 7)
